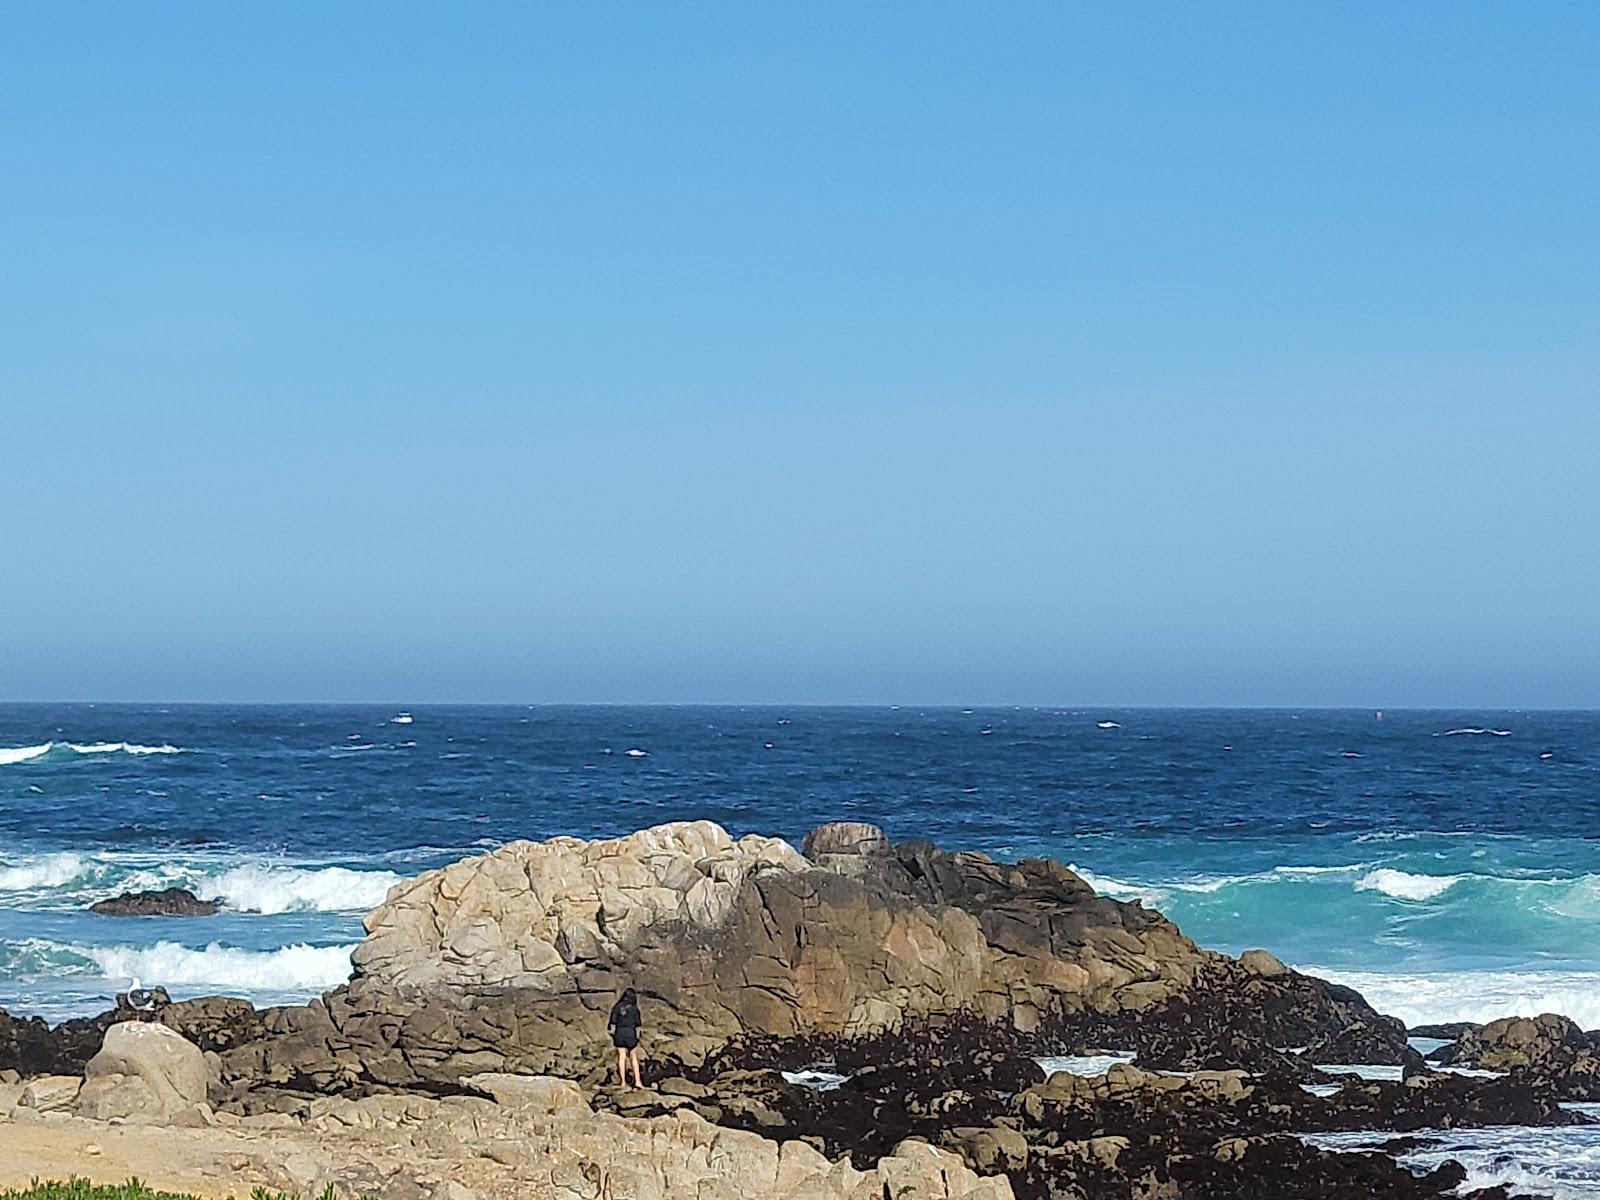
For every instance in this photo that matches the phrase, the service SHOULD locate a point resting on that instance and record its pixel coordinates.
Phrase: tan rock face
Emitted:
(531, 914)
(49, 1093)
(145, 1071)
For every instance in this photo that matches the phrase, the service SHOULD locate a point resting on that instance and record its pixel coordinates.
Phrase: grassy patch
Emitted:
(82, 1189)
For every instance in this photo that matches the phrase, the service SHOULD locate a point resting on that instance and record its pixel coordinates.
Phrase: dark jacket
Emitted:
(624, 1023)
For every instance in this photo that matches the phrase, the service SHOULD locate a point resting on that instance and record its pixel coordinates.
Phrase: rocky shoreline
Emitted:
(468, 1052)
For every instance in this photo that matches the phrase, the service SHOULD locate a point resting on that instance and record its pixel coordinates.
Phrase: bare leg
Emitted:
(622, 1066)
(633, 1057)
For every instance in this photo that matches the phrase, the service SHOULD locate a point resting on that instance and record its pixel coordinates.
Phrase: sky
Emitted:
(1232, 354)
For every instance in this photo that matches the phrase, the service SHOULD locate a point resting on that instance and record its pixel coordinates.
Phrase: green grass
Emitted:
(82, 1189)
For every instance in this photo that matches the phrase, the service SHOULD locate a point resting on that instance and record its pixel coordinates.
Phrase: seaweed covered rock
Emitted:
(1549, 1048)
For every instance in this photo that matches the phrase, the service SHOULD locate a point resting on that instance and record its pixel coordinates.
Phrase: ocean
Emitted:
(1445, 863)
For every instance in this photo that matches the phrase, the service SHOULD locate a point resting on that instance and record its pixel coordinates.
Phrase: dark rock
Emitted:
(29, 1046)
(1448, 1032)
(171, 902)
(1549, 1049)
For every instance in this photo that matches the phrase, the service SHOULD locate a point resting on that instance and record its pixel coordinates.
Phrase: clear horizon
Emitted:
(1239, 357)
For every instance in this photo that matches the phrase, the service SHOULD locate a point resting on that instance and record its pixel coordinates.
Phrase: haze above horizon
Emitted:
(1234, 356)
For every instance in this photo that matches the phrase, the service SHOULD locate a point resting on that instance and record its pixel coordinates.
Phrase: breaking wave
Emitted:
(66, 881)
(1480, 996)
(20, 754)
(1559, 1162)
(271, 890)
(298, 969)
(1403, 885)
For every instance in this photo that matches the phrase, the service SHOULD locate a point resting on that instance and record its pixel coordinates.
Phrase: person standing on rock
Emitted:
(624, 1024)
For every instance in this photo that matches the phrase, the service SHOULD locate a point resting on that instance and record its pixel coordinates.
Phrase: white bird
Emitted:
(140, 999)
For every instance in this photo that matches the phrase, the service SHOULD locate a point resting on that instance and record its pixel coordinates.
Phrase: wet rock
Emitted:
(169, 902)
(1549, 1048)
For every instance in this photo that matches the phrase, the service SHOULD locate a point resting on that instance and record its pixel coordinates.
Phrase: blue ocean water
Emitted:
(1447, 863)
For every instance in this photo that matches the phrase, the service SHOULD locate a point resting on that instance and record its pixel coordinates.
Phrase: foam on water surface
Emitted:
(1563, 1163)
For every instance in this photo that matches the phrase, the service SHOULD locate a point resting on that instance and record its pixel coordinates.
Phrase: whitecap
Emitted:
(46, 871)
(17, 754)
(1402, 885)
(1476, 996)
(297, 968)
(1108, 725)
(401, 719)
(1116, 888)
(636, 753)
(121, 748)
(1475, 732)
(271, 890)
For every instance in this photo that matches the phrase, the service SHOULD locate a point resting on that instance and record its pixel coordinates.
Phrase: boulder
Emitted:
(1549, 1048)
(169, 902)
(146, 1072)
(1263, 963)
(50, 1093)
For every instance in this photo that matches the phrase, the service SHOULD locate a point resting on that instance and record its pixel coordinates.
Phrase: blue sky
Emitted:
(1226, 354)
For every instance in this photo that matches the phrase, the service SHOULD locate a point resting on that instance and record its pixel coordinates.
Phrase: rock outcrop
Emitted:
(509, 962)
(169, 902)
(1548, 1048)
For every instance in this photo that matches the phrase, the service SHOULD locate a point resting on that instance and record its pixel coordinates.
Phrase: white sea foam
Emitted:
(1479, 996)
(20, 754)
(121, 748)
(636, 753)
(1403, 885)
(67, 881)
(269, 890)
(1117, 889)
(1559, 1162)
(822, 1081)
(298, 968)
(1108, 725)
(1475, 732)
(401, 719)
(47, 871)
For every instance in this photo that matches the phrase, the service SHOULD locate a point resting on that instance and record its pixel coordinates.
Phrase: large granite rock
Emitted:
(146, 1072)
(509, 962)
